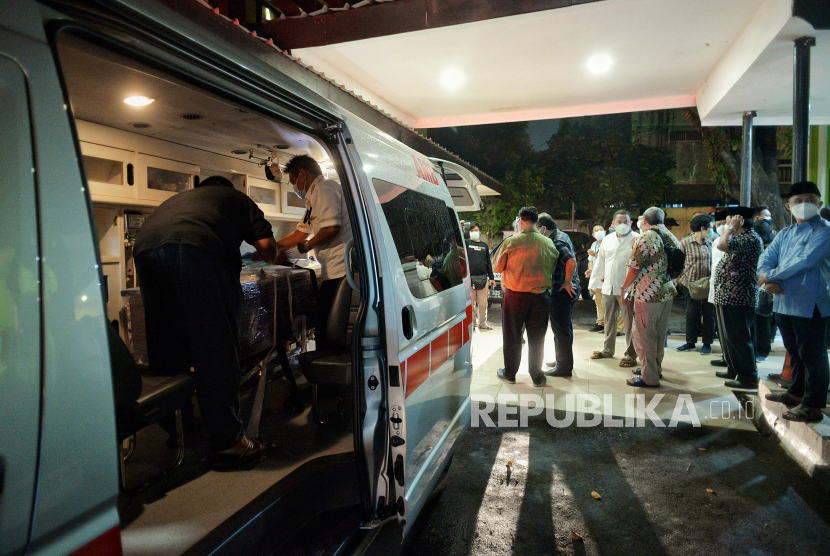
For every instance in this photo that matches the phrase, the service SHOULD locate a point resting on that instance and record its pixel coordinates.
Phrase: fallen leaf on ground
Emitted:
(710, 491)
(702, 449)
(596, 495)
(576, 536)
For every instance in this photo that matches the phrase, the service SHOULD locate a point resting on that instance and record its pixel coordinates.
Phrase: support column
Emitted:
(801, 106)
(746, 160)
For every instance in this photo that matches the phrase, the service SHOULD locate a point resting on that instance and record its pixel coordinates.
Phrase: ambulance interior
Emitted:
(135, 157)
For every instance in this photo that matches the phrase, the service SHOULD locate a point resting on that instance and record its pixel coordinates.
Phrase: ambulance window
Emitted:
(426, 236)
(460, 196)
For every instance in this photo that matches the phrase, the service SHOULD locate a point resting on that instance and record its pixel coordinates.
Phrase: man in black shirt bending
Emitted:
(188, 261)
(481, 274)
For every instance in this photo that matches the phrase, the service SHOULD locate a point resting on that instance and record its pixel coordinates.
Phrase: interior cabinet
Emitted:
(109, 171)
(159, 179)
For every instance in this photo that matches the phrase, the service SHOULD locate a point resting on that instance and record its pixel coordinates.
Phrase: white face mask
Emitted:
(475, 236)
(623, 229)
(804, 211)
(599, 235)
(721, 229)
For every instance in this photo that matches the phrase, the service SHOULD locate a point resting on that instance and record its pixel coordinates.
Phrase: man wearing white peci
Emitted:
(611, 267)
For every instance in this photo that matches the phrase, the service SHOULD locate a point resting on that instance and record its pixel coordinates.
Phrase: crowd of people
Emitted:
(741, 282)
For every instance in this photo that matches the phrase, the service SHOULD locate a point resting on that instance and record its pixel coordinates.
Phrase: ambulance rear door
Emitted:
(461, 183)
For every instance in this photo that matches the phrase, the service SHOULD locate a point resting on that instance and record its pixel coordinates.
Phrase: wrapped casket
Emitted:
(288, 293)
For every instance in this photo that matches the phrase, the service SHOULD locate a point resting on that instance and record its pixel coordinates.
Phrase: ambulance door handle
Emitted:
(407, 322)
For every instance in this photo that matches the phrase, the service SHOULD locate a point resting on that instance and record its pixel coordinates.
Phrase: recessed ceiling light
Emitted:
(282, 147)
(239, 151)
(138, 101)
(452, 79)
(600, 63)
(140, 125)
(192, 116)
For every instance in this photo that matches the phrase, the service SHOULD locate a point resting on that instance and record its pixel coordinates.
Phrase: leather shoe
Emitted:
(725, 374)
(739, 384)
(718, 363)
(555, 371)
(596, 328)
(686, 347)
(502, 377)
(706, 350)
(541, 383)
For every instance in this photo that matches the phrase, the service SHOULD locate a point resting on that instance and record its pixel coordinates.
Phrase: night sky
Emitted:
(540, 131)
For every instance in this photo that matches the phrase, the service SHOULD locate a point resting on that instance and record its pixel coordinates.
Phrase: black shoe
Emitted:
(502, 377)
(686, 347)
(620, 334)
(718, 363)
(725, 374)
(557, 372)
(541, 383)
(742, 385)
(596, 328)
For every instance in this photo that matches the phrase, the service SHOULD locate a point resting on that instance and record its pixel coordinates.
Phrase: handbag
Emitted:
(479, 282)
(699, 289)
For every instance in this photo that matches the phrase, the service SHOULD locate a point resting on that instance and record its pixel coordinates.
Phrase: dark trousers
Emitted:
(192, 306)
(764, 334)
(804, 340)
(735, 323)
(700, 320)
(524, 311)
(561, 311)
(325, 298)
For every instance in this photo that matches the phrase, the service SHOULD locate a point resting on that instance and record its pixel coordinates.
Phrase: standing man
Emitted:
(736, 297)
(564, 293)
(327, 219)
(652, 291)
(611, 269)
(526, 262)
(796, 267)
(764, 320)
(700, 314)
(594, 283)
(481, 274)
(720, 217)
(188, 262)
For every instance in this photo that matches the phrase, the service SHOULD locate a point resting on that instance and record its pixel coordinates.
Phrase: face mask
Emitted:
(623, 230)
(721, 229)
(768, 219)
(711, 233)
(475, 236)
(804, 211)
(297, 191)
(599, 235)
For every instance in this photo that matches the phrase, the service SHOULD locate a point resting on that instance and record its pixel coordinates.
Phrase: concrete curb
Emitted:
(807, 443)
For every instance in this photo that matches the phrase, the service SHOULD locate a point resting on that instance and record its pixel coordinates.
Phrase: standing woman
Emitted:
(595, 282)
(696, 278)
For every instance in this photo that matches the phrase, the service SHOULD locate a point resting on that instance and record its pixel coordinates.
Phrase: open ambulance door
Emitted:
(461, 183)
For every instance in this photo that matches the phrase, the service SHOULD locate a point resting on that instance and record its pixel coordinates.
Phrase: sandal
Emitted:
(250, 456)
(600, 355)
(640, 383)
(628, 362)
(785, 398)
(804, 414)
(639, 372)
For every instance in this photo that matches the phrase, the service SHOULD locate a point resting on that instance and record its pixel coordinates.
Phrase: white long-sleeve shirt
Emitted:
(612, 262)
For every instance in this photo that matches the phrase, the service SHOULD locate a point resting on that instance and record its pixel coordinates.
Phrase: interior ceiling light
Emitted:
(192, 116)
(282, 147)
(138, 101)
(239, 151)
(452, 79)
(140, 125)
(599, 63)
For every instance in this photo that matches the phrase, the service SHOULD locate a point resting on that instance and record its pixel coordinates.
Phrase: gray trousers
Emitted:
(651, 322)
(612, 308)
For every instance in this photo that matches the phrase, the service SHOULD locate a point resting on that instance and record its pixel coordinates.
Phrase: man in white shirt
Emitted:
(327, 218)
(611, 267)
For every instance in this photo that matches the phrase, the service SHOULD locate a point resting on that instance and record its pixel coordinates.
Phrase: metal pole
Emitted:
(573, 215)
(746, 160)
(801, 106)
